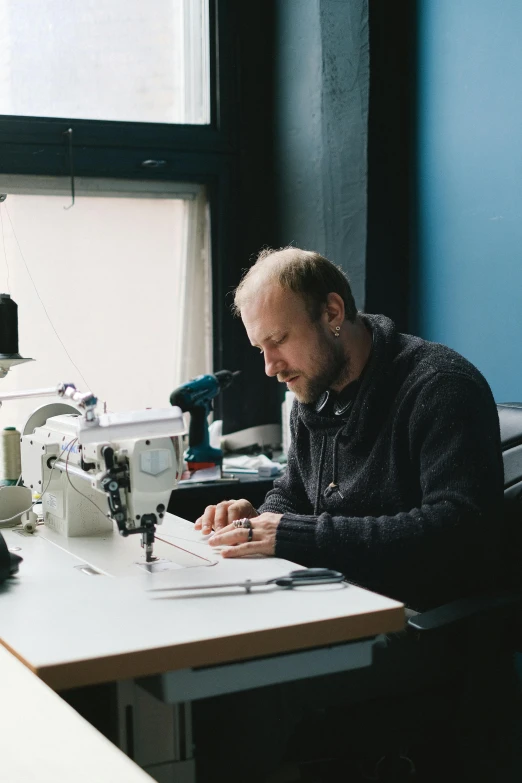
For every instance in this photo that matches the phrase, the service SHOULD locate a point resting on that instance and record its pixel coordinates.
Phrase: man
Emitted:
(395, 478)
(395, 472)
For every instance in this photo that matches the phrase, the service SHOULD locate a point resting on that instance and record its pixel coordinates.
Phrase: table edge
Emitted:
(210, 652)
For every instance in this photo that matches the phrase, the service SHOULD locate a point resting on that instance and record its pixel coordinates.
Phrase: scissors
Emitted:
(305, 576)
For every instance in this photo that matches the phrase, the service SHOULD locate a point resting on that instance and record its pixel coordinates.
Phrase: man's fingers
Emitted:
(223, 514)
(205, 522)
(235, 542)
(241, 508)
(241, 550)
(229, 510)
(221, 518)
(253, 537)
(233, 512)
(230, 536)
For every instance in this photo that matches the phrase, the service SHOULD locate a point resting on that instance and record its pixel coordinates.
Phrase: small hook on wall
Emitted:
(69, 134)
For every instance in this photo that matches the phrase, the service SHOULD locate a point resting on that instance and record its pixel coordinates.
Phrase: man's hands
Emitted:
(218, 517)
(235, 539)
(235, 543)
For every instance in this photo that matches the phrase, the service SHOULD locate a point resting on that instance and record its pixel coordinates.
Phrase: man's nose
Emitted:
(273, 364)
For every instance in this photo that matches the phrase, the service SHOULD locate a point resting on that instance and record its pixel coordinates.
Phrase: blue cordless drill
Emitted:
(196, 397)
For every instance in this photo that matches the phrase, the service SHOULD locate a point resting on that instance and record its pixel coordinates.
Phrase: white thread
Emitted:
(10, 460)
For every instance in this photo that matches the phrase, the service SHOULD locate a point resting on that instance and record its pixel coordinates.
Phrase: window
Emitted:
(103, 290)
(106, 60)
(133, 109)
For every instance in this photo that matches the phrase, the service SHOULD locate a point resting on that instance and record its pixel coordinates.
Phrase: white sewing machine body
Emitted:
(118, 468)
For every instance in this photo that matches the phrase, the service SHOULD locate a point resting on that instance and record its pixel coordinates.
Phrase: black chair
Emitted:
(484, 633)
(505, 604)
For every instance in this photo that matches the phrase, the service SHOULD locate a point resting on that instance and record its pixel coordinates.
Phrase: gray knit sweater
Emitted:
(402, 489)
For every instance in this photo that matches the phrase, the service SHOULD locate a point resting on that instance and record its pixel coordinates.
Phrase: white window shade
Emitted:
(113, 294)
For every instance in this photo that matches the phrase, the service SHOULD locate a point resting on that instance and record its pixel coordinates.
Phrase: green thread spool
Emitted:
(10, 459)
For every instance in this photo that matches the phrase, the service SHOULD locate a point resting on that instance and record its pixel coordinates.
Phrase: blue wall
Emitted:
(469, 207)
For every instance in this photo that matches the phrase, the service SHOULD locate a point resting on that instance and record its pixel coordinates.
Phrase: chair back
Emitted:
(510, 417)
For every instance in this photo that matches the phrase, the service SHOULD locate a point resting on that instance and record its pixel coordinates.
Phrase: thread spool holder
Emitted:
(84, 400)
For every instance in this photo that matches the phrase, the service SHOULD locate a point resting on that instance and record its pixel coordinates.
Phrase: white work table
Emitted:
(72, 628)
(79, 613)
(43, 740)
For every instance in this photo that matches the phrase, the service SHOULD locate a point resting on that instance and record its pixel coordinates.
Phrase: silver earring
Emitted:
(337, 330)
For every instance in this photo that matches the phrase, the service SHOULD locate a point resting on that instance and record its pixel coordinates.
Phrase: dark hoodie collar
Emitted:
(373, 386)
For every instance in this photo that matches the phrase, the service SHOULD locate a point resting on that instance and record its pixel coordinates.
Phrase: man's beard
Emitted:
(332, 365)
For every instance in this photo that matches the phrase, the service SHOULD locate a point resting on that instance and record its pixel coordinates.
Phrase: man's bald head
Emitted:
(302, 271)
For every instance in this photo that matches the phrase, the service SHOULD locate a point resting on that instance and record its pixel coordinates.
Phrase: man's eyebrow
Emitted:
(270, 336)
(274, 334)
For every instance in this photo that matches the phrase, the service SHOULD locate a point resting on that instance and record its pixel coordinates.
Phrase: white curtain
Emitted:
(113, 294)
(194, 332)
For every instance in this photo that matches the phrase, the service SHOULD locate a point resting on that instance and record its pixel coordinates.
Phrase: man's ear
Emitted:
(334, 311)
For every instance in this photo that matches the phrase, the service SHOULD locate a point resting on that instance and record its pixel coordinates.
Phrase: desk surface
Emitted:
(73, 629)
(44, 740)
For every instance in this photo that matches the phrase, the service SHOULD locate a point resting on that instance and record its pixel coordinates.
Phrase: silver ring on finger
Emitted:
(246, 523)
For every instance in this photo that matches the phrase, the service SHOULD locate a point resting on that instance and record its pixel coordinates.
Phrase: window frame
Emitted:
(217, 136)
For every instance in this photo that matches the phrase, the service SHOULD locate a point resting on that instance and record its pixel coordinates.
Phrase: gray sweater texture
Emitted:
(401, 489)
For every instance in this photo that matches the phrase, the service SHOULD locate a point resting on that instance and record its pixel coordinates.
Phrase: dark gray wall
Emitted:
(321, 85)
(300, 173)
(391, 159)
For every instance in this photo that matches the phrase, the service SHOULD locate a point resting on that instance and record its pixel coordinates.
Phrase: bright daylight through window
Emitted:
(113, 294)
(106, 60)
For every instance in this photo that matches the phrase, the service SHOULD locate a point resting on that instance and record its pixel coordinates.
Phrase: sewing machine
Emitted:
(90, 469)
(92, 472)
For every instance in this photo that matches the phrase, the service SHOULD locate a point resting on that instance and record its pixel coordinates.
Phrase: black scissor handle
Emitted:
(309, 576)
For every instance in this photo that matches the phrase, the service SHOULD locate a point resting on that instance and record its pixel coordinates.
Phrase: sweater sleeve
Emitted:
(289, 495)
(445, 547)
